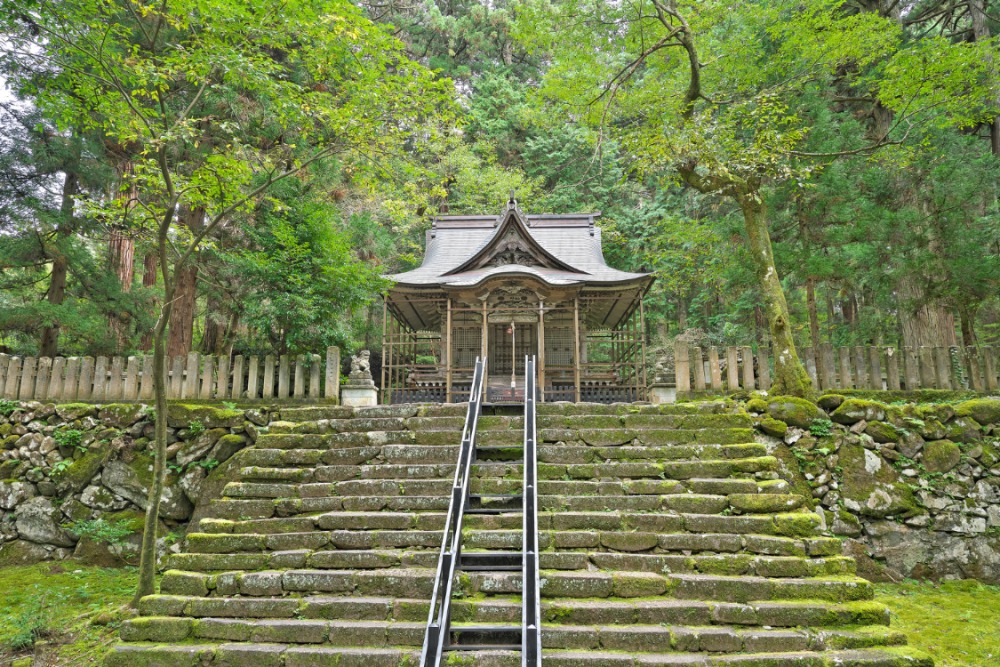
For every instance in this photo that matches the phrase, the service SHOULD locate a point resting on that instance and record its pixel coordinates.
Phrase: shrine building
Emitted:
(508, 286)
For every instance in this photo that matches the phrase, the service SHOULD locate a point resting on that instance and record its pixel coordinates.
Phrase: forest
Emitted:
(236, 177)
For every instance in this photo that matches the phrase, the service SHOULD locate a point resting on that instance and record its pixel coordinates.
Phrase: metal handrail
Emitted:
(531, 636)
(439, 616)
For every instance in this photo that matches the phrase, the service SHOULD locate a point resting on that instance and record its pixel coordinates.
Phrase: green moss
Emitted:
(983, 410)
(793, 411)
(182, 415)
(953, 621)
(941, 455)
(883, 432)
(773, 427)
(82, 470)
(756, 405)
(796, 524)
(122, 414)
(71, 593)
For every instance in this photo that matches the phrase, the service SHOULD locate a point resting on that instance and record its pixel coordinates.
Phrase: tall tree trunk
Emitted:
(148, 281)
(967, 315)
(217, 320)
(48, 343)
(923, 322)
(185, 293)
(790, 377)
(813, 313)
(121, 249)
(981, 32)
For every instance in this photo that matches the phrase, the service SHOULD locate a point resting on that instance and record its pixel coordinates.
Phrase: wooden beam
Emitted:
(541, 350)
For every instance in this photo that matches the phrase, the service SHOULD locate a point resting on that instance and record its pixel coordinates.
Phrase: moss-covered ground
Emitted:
(72, 611)
(957, 622)
(76, 610)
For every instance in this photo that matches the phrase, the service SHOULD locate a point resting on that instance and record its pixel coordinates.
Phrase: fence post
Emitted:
(928, 378)
(314, 373)
(846, 378)
(207, 376)
(86, 390)
(131, 390)
(299, 380)
(56, 378)
(911, 366)
(284, 384)
(332, 379)
(114, 392)
(252, 377)
(989, 368)
(237, 390)
(748, 382)
(222, 378)
(27, 390)
(43, 378)
(975, 374)
(875, 360)
(699, 368)
(764, 362)
(146, 379)
(942, 367)
(713, 367)
(732, 369)
(100, 379)
(4, 362)
(892, 369)
(71, 385)
(268, 377)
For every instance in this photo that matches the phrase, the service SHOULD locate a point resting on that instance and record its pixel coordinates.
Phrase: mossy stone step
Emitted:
(278, 655)
(504, 609)
(618, 637)
(447, 454)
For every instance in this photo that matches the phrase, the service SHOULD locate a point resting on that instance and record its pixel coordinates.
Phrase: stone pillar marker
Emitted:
(664, 388)
(359, 390)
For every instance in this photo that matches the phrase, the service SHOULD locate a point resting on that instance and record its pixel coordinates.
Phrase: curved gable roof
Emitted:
(557, 249)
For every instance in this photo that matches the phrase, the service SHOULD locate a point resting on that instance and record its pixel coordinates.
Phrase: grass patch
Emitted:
(957, 622)
(75, 609)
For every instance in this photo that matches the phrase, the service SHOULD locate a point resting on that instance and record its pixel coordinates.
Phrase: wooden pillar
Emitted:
(642, 347)
(386, 356)
(541, 350)
(576, 355)
(485, 346)
(447, 354)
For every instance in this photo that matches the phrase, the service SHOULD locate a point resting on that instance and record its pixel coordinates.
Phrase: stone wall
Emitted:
(74, 477)
(913, 488)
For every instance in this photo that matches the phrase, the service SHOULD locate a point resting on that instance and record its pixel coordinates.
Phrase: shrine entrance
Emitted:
(508, 345)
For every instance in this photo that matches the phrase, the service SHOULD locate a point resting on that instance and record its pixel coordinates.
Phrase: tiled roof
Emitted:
(572, 240)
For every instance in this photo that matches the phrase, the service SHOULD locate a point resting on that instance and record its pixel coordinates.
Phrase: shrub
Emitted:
(69, 437)
(103, 531)
(821, 427)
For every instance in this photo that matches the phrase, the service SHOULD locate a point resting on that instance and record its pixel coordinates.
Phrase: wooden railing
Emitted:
(193, 376)
(892, 368)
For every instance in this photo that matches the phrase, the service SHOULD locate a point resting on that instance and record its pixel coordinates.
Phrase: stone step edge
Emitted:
(193, 655)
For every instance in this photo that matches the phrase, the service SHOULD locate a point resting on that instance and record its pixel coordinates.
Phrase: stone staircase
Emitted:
(666, 539)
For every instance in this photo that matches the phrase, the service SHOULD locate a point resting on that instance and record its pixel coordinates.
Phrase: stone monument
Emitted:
(359, 390)
(664, 388)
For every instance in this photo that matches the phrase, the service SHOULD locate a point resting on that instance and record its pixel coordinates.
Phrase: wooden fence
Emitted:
(892, 368)
(194, 376)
